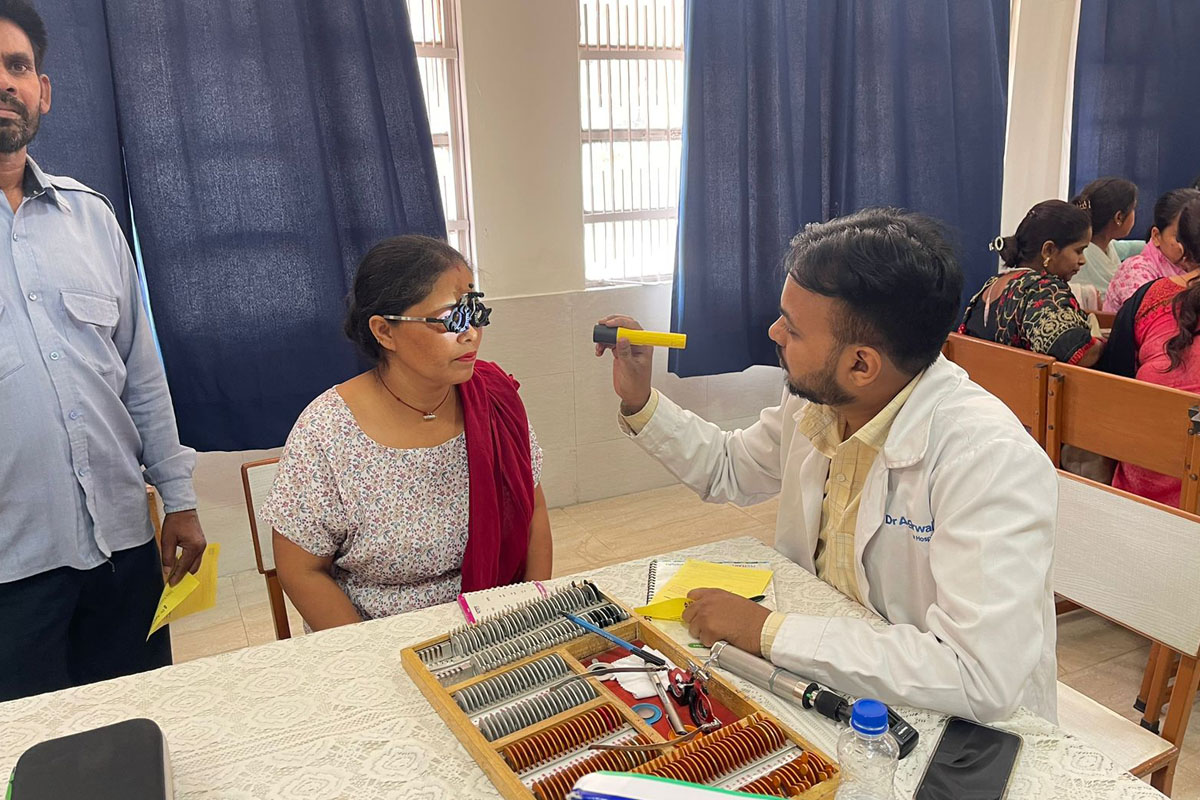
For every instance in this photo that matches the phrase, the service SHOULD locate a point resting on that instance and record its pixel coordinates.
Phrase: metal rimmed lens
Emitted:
(469, 312)
(481, 316)
(458, 320)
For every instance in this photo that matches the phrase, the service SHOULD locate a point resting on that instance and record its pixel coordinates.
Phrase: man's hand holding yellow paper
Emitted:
(191, 594)
(715, 614)
(671, 600)
(712, 601)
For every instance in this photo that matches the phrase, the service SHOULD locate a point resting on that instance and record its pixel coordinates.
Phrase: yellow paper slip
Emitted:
(746, 581)
(193, 592)
(664, 609)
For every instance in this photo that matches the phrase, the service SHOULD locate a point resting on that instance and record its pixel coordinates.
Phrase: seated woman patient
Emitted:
(1030, 305)
(417, 479)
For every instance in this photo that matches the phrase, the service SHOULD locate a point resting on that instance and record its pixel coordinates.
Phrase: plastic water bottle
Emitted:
(867, 754)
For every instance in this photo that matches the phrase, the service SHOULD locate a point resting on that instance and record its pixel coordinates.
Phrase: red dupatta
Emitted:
(501, 479)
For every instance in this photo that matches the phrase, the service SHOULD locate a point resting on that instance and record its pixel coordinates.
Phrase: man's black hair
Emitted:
(22, 14)
(895, 274)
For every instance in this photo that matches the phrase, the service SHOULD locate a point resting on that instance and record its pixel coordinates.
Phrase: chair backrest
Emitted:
(257, 477)
(1141, 423)
(1105, 319)
(1131, 560)
(1016, 377)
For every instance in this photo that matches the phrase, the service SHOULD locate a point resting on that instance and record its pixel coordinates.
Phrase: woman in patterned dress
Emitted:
(417, 479)
(1030, 305)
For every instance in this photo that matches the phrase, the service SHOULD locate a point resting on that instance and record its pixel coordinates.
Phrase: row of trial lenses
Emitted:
(543, 638)
(435, 653)
(532, 710)
(522, 647)
(471, 638)
(513, 682)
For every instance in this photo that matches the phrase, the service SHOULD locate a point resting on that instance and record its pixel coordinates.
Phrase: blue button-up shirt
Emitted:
(83, 396)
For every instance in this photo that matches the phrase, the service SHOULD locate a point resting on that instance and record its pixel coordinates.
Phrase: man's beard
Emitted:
(17, 132)
(817, 387)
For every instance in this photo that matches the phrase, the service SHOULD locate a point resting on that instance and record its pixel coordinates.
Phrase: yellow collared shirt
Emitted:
(849, 463)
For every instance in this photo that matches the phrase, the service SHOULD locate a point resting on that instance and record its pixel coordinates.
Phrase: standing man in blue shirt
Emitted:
(85, 418)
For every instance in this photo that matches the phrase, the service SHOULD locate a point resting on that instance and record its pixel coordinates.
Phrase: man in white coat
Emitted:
(901, 483)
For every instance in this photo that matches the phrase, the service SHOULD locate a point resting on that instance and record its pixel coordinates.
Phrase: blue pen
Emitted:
(649, 658)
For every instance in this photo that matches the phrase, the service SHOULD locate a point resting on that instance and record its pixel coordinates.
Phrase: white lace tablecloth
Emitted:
(333, 714)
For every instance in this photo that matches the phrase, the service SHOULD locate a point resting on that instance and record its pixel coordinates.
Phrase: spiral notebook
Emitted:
(662, 570)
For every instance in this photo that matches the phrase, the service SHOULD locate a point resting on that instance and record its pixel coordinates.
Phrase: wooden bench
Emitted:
(1128, 420)
(1016, 377)
(1155, 595)
(1095, 411)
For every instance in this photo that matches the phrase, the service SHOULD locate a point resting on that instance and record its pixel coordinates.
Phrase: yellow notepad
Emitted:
(670, 600)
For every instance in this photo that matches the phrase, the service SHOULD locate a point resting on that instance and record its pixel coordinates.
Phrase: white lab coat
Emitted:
(953, 545)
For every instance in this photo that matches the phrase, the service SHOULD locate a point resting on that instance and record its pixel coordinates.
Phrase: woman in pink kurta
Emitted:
(1162, 256)
(1164, 328)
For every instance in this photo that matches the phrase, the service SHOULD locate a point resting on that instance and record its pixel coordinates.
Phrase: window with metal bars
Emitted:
(631, 91)
(435, 34)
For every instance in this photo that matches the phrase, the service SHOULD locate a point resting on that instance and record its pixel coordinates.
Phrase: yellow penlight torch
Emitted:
(602, 334)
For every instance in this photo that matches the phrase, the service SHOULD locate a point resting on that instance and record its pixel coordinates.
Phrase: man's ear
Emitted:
(44, 103)
(865, 366)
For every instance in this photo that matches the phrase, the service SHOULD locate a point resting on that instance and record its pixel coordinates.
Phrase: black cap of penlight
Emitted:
(833, 706)
(602, 334)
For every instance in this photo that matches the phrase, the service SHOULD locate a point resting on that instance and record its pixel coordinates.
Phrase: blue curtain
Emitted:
(79, 137)
(269, 144)
(1137, 95)
(798, 112)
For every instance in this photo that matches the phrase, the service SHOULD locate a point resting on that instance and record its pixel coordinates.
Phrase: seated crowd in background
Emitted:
(1062, 252)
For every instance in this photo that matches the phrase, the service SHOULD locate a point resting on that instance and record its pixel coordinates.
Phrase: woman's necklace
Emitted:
(429, 415)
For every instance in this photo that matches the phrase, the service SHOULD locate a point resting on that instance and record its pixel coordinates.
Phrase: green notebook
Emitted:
(125, 761)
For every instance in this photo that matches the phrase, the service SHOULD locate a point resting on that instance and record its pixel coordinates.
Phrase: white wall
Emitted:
(520, 63)
(545, 341)
(1037, 156)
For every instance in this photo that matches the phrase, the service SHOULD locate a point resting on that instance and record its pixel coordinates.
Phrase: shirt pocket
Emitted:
(92, 320)
(10, 354)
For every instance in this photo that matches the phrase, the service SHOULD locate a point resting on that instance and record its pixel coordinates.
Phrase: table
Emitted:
(333, 714)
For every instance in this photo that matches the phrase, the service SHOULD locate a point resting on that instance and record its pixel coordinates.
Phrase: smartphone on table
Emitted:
(972, 761)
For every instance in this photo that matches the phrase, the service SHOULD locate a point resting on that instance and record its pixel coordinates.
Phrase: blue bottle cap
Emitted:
(869, 716)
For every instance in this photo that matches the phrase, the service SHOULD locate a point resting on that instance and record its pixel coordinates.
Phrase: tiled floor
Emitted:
(1095, 657)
